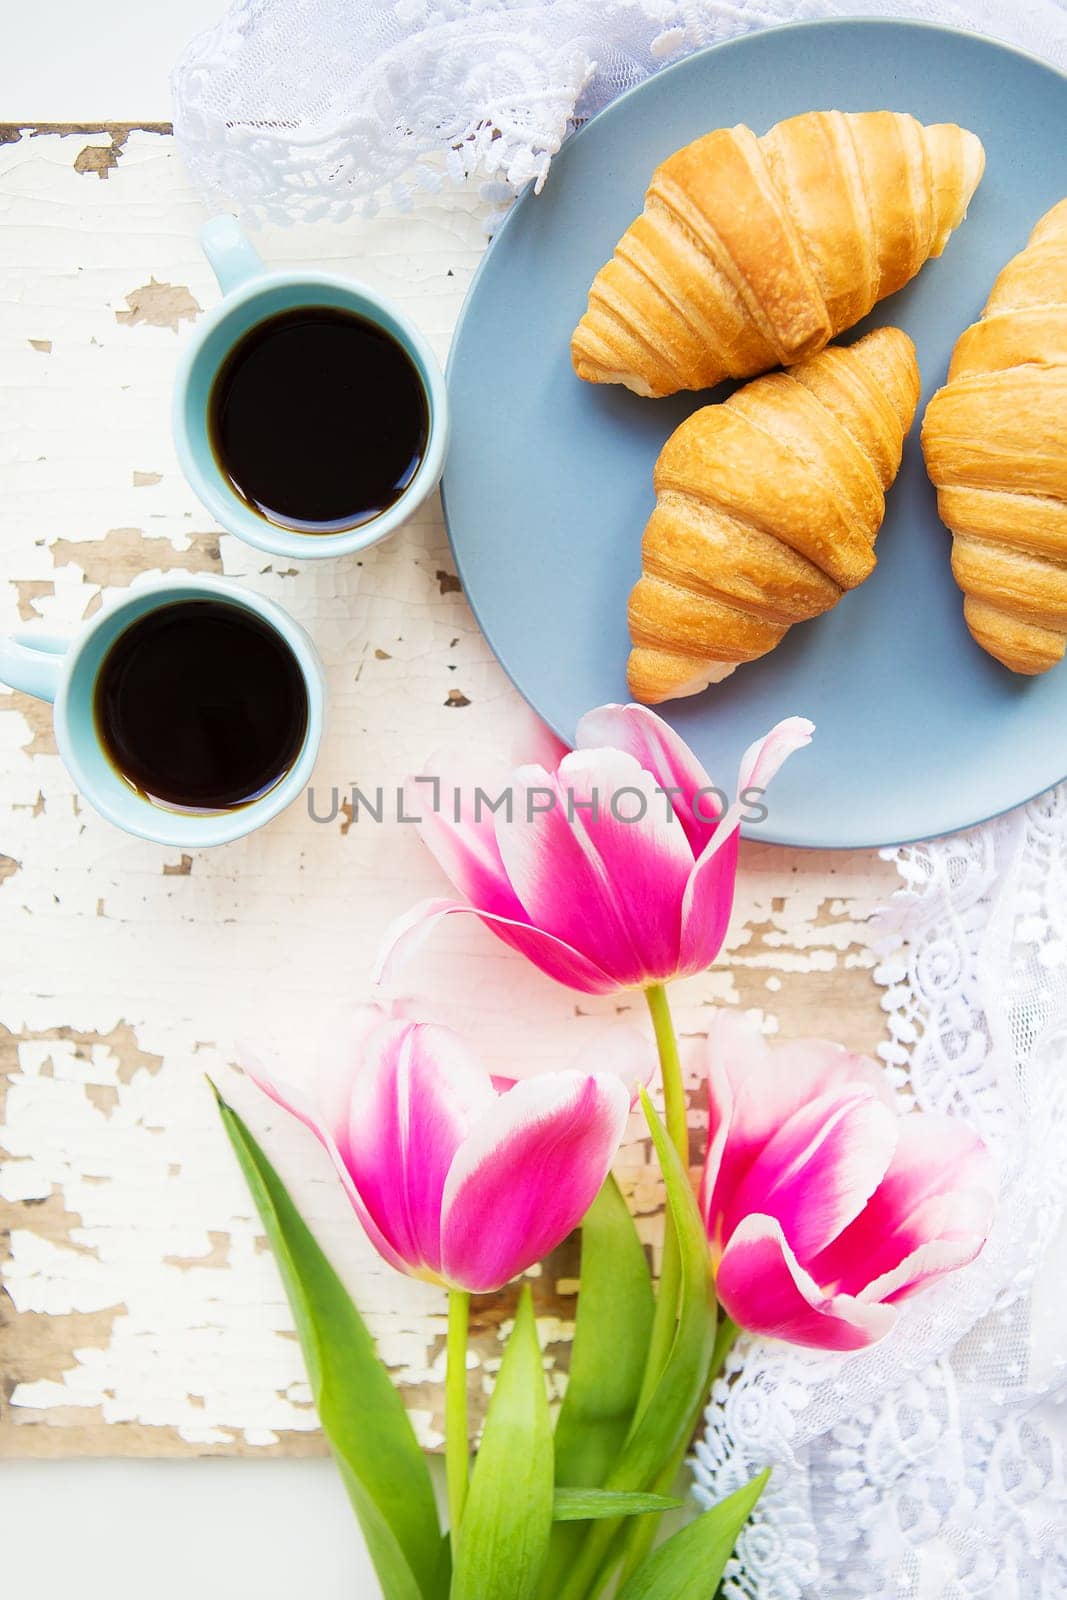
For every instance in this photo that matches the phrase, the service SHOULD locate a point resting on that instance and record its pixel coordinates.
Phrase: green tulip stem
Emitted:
(670, 1275)
(457, 1443)
(670, 1070)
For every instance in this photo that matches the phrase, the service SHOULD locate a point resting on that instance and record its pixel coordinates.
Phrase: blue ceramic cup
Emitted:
(64, 671)
(250, 294)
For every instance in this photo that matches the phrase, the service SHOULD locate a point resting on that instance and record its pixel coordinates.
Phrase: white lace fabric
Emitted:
(308, 110)
(934, 1466)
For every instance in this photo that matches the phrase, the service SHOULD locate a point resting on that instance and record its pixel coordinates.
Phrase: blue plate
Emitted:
(549, 480)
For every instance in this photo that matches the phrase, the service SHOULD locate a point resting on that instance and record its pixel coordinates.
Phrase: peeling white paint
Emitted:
(119, 1182)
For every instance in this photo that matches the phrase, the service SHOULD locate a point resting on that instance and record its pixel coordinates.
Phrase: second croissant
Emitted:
(767, 509)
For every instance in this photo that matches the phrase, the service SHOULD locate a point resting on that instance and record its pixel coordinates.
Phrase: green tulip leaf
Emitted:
(611, 1331)
(641, 1533)
(664, 1426)
(589, 1505)
(690, 1563)
(362, 1416)
(503, 1541)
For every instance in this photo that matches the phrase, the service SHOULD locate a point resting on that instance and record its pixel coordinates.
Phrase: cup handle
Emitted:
(230, 256)
(32, 661)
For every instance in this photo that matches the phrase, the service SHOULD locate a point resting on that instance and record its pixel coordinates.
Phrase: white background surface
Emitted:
(172, 1530)
(68, 61)
(118, 1530)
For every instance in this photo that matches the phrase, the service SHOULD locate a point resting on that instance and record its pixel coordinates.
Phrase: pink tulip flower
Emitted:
(611, 867)
(457, 1177)
(824, 1206)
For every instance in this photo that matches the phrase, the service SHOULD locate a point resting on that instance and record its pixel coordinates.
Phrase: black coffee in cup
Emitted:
(200, 706)
(318, 419)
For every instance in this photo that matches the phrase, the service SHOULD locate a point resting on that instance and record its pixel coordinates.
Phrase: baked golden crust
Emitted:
(996, 451)
(754, 253)
(767, 509)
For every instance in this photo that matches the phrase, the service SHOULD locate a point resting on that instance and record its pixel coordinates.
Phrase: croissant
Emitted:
(754, 253)
(996, 450)
(767, 509)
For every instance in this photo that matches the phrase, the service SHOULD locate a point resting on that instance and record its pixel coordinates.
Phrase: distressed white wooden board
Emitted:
(144, 1314)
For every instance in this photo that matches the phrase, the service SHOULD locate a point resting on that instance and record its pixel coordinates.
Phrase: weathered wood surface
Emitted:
(142, 1312)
